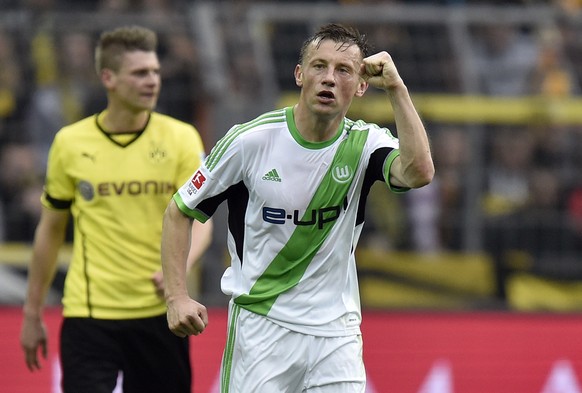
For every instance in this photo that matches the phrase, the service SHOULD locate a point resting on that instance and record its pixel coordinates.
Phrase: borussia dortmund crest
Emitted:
(157, 154)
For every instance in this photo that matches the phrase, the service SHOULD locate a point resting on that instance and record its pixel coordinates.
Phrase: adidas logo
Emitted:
(272, 175)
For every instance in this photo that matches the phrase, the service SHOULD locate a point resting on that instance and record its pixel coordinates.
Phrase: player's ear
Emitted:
(298, 75)
(362, 87)
(107, 77)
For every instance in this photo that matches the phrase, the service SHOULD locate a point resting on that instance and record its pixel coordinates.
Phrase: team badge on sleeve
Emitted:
(198, 179)
(195, 183)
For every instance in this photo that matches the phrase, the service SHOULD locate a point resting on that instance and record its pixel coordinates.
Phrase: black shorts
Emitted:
(149, 356)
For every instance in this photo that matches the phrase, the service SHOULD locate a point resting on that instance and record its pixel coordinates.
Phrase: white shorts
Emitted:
(263, 357)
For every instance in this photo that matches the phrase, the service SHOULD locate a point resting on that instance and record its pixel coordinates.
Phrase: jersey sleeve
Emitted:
(389, 145)
(222, 169)
(386, 171)
(193, 155)
(59, 187)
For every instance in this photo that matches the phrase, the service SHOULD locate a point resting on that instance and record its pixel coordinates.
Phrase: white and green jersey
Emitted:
(295, 213)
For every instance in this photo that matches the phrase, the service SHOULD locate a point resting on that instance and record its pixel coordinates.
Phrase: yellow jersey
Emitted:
(117, 187)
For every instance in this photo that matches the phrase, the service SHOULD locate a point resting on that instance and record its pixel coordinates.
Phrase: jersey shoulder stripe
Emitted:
(276, 116)
(360, 125)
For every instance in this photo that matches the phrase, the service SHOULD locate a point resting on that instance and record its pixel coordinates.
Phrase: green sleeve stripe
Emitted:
(195, 214)
(290, 264)
(387, 165)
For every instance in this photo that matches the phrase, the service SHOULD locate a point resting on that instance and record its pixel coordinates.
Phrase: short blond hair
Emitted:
(114, 43)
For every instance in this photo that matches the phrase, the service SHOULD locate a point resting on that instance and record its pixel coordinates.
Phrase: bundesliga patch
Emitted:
(198, 179)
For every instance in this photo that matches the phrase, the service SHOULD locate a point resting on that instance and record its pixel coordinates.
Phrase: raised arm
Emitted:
(414, 167)
(185, 315)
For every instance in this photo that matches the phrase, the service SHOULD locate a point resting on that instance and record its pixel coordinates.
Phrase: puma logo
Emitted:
(89, 156)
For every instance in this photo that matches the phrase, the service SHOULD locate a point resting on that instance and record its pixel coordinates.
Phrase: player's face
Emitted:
(137, 83)
(330, 77)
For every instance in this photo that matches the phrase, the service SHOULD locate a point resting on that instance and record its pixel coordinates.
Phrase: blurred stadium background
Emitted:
(498, 84)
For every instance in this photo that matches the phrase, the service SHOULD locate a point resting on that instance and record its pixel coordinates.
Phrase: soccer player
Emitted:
(115, 172)
(296, 181)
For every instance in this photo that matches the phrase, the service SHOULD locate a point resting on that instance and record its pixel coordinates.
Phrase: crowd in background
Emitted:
(48, 80)
(530, 183)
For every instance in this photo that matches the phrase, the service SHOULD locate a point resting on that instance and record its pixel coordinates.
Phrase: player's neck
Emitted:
(315, 128)
(123, 120)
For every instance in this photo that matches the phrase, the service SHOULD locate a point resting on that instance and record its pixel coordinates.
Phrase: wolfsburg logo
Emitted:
(342, 174)
(272, 175)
